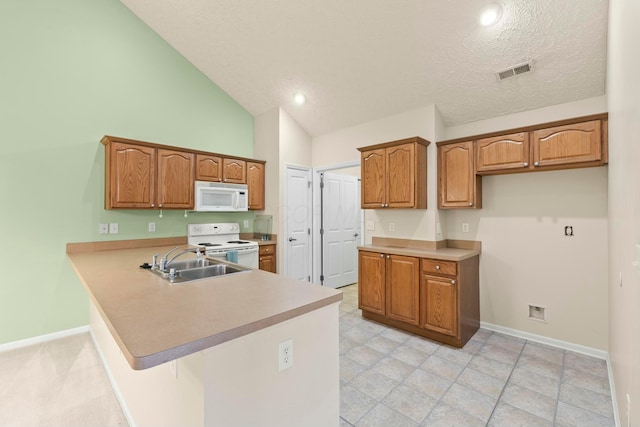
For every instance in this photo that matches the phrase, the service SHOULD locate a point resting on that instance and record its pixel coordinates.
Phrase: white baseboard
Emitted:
(43, 338)
(589, 351)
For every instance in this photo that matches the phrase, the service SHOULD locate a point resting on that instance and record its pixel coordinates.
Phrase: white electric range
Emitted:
(219, 240)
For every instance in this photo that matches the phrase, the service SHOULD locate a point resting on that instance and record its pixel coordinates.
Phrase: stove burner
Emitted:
(240, 242)
(209, 244)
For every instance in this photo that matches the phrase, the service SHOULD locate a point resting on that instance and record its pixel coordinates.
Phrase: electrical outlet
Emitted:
(246, 223)
(465, 227)
(103, 228)
(285, 355)
(152, 227)
(370, 225)
(113, 228)
(392, 226)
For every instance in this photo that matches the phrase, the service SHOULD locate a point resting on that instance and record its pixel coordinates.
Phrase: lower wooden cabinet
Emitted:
(371, 282)
(434, 298)
(267, 258)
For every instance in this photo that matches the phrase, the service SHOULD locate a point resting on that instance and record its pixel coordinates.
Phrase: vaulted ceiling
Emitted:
(360, 60)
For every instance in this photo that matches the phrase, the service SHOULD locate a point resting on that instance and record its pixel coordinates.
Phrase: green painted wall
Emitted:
(71, 72)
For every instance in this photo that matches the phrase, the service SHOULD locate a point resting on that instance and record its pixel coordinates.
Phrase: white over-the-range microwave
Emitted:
(221, 197)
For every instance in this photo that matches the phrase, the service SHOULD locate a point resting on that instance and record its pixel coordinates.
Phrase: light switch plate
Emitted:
(103, 228)
(370, 225)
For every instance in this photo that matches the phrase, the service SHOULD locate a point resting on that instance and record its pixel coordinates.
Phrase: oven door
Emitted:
(247, 257)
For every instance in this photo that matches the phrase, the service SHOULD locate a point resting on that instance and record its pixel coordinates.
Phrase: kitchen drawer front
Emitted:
(434, 266)
(267, 249)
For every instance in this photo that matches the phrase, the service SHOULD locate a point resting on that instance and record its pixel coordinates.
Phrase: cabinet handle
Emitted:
(153, 205)
(470, 203)
(536, 164)
(437, 267)
(526, 164)
(160, 205)
(388, 256)
(381, 255)
(453, 282)
(260, 259)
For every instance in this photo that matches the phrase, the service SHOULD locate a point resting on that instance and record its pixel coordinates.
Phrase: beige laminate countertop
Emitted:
(154, 321)
(446, 254)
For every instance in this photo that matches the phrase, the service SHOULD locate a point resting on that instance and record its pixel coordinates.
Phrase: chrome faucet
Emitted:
(164, 264)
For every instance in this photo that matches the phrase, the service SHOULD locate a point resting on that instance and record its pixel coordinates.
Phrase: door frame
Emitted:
(315, 229)
(285, 219)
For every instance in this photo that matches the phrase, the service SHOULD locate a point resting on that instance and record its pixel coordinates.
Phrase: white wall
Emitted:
(623, 95)
(341, 147)
(267, 147)
(526, 259)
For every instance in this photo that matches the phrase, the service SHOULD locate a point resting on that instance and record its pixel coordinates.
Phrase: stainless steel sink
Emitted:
(196, 269)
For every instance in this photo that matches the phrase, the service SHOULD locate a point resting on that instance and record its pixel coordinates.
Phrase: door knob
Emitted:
(291, 239)
(356, 235)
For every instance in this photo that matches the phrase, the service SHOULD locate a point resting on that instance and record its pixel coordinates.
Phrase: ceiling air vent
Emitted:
(515, 70)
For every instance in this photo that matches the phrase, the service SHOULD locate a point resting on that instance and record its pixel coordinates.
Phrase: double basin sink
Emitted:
(195, 269)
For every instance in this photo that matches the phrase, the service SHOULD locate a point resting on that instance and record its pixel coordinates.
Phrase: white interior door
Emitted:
(340, 229)
(298, 224)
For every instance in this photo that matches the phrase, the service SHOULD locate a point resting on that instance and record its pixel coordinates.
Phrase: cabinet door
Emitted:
(234, 171)
(400, 177)
(371, 281)
(373, 169)
(438, 302)
(458, 186)
(175, 179)
(502, 152)
(561, 145)
(131, 176)
(208, 168)
(255, 183)
(267, 263)
(403, 288)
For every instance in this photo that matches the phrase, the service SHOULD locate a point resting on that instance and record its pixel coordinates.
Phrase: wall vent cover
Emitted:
(515, 70)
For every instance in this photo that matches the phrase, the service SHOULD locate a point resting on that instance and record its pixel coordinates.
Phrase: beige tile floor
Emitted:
(387, 378)
(390, 378)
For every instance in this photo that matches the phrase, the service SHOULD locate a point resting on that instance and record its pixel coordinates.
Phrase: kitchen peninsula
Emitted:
(205, 353)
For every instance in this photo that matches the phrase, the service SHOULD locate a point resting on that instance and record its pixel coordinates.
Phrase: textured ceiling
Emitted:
(360, 60)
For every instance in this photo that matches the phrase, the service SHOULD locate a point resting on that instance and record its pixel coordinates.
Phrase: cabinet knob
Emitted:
(470, 203)
(153, 205)
(536, 164)
(453, 282)
(388, 256)
(160, 205)
(260, 259)
(437, 267)
(526, 164)
(381, 255)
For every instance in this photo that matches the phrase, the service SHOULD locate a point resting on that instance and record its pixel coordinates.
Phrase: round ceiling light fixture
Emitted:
(300, 99)
(490, 15)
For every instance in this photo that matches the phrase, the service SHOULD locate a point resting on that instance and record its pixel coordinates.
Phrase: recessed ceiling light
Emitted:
(300, 98)
(490, 15)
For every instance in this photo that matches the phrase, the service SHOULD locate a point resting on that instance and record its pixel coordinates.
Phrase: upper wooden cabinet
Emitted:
(394, 174)
(502, 152)
(234, 171)
(255, 184)
(562, 145)
(208, 168)
(458, 186)
(574, 143)
(175, 179)
(130, 176)
(145, 177)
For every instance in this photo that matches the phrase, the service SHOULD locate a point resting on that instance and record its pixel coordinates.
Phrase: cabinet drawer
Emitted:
(434, 266)
(267, 249)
